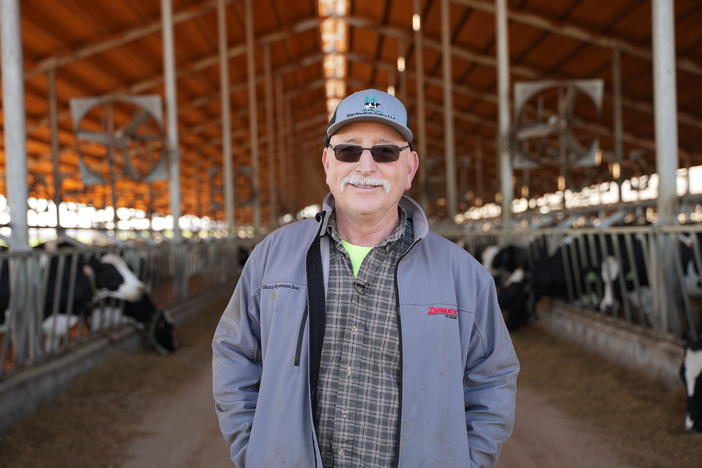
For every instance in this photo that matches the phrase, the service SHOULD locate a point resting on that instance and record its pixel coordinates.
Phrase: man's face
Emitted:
(367, 188)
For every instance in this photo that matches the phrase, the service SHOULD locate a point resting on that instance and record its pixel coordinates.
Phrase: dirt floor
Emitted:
(144, 410)
(96, 423)
(620, 417)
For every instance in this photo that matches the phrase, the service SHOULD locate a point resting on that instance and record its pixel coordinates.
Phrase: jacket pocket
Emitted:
(300, 336)
(284, 308)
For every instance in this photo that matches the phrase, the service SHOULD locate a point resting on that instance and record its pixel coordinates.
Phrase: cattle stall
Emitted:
(647, 277)
(55, 302)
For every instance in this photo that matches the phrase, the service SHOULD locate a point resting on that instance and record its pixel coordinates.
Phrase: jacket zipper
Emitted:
(399, 326)
(301, 331)
(297, 364)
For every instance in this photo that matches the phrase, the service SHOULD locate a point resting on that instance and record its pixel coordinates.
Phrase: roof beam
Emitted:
(490, 61)
(599, 129)
(239, 87)
(580, 33)
(192, 67)
(242, 113)
(133, 34)
(119, 39)
(472, 118)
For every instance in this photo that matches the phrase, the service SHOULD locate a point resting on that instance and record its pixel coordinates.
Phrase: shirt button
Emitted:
(348, 370)
(341, 452)
(354, 330)
(344, 412)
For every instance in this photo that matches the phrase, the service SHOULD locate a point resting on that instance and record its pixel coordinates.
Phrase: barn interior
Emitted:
(178, 133)
(302, 58)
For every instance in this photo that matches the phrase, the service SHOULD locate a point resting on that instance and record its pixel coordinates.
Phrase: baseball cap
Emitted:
(371, 105)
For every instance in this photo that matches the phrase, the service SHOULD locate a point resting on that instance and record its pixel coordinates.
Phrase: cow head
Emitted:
(158, 326)
(113, 278)
(162, 334)
(243, 255)
(609, 271)
(488, 256)
(506, 259)
(691, 374)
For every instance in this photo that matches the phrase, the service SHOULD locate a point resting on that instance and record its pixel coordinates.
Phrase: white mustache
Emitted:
(361, 180)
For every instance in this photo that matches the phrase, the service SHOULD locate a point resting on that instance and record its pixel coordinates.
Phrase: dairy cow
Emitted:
(89, 286)
(691, 375)
(512, 278)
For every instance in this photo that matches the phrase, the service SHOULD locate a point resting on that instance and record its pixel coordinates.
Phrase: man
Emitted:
(359, 338)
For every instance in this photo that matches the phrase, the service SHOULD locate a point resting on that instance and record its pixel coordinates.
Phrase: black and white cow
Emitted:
(620, 270)
(4, 286)
(525, 275)
(514, 288)
(691, 375)
(114, 279)
(692, 272)
(632, 266)
(90, 287)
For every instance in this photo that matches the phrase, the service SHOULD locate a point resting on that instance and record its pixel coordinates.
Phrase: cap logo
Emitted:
(371, 104)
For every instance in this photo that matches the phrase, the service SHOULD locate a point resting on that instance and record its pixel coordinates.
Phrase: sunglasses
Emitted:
(380, 153)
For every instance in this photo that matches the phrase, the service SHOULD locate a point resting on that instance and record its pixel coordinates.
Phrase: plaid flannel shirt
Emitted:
(359, 379)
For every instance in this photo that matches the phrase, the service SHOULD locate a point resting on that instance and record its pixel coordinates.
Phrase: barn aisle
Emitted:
(181, 431)
(544, 437)
(137, 409)
(576, 409)
(144, 410)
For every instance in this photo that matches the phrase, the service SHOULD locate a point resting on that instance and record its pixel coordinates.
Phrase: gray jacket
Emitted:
(459, 369)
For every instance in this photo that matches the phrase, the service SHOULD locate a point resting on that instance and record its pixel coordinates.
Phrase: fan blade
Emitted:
(95, 137)
(134, 125)
(536, 130)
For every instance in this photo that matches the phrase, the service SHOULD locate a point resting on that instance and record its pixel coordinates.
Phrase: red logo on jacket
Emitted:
(445, 311)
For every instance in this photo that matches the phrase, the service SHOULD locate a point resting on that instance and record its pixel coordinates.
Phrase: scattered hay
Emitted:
(91, 424)
(638, 415)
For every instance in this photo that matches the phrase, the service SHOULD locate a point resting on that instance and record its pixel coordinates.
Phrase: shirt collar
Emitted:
(394, 236)
(418, 220)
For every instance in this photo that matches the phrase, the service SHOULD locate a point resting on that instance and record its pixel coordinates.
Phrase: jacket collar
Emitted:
(411, 207)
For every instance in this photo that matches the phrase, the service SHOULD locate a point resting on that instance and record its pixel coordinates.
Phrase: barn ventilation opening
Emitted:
(334, 30)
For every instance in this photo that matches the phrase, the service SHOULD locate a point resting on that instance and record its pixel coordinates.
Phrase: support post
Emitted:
(171, 115)
(665, 103)
(226, 119)
(20, 321)
(503, 109)
(282, 153)
(666, 119)
(270, 133)
(291, 145)
(402, 82)
(480, 179)
(421, 112)
(14, 123)
(110, 119)
(618, 121)
(253, 114)
(448, 111)
(198, 189)
(53, 128)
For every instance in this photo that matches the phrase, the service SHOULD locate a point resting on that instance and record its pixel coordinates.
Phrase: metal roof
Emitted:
(115, 48)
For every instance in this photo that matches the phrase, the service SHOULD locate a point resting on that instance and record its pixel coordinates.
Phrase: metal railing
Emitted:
(42, 294)
(646, 276)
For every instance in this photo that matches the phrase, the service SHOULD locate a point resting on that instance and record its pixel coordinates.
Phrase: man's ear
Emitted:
(412, 166)
(325, 159)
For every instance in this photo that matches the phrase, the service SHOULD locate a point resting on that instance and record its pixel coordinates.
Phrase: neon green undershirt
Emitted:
(356, 253)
